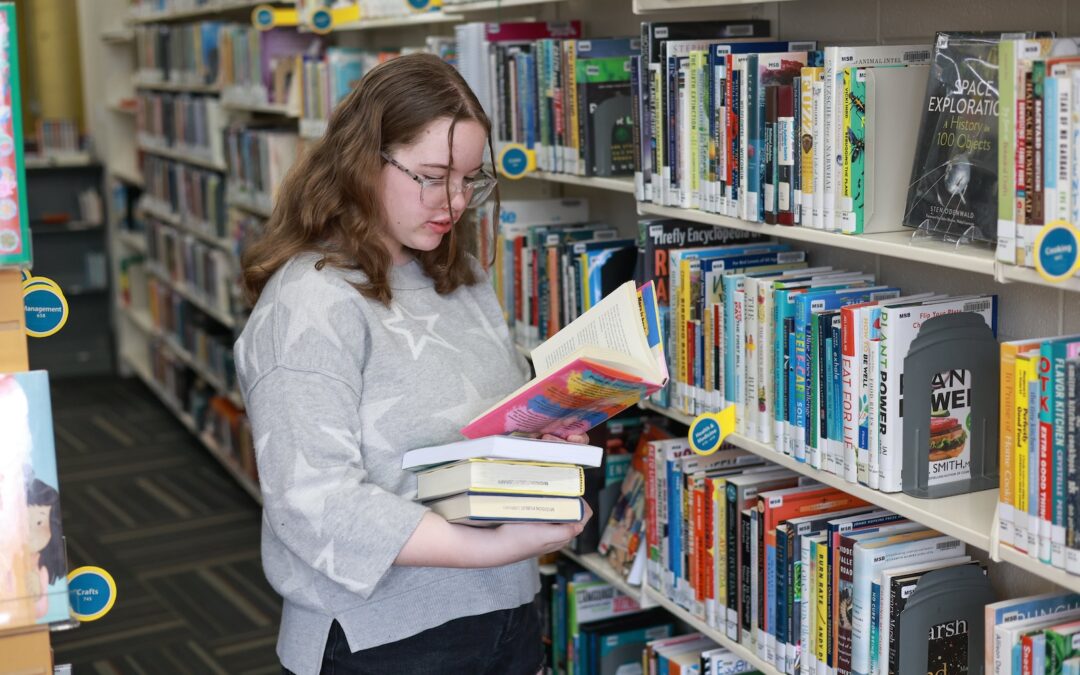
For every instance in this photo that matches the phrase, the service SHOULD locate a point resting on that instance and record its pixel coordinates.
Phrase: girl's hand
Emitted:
(582, 439)
(514, 542)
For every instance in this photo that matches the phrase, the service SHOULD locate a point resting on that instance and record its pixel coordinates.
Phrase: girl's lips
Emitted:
(439, 227)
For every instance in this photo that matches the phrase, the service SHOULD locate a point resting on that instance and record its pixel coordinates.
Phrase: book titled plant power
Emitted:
(605, 361)
(953, 187)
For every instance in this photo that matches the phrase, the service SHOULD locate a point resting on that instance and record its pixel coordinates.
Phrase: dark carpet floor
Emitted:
(143, 499)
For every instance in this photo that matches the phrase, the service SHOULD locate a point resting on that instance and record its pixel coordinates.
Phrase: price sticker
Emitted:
(516, 161)
(1057, 251)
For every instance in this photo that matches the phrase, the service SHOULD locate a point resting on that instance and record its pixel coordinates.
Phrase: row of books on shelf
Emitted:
(204, 339)
(260, 68)
(258, 159)
(591, 628)
(207, 272)
(179, 54)
(212, 415)
(193, 195)
(373, 9)
(330, 76)
(808, 356)
(813, 580)
(185, 123)
(1040, 395)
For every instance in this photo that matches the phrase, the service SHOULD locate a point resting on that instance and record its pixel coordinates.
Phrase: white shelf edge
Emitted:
(121, 110)
(266, 109)
(118, 36)
(175, 86)
(598, 565)
(129, 178)
(210, 10)
(182, 288)
(185, 419)
(971, 516)
(178, 156)
(487, 5)
(247, 206)
(1058, 576)
(399, 22)
(133, 240)
(68, 160)
(625, 185)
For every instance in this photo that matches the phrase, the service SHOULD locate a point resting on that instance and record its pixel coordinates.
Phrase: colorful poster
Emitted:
(14, 224)
(33, 565)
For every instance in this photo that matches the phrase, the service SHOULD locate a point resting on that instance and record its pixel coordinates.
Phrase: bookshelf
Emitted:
(425, 19)
(177, 87)
(181, 156)
(208, 10)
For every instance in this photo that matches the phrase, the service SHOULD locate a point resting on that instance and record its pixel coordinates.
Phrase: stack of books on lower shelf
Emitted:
(503, 479)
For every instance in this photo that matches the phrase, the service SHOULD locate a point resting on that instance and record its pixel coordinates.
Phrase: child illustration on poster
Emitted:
(33, 567)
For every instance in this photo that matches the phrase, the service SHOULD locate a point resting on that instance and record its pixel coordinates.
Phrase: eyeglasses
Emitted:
(433, 193)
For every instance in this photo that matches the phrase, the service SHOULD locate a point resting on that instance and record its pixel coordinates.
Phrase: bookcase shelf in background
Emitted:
(121, 109)
(210, 10)
(278, 109)
(651, 6)
(400, 22)
(1020, 559)
(136, 241)
(250, 486)
(248, 205)
(118, 36)
(613, 184)
(488, 5)
(180, 156)
(194, 298)
(598, 565)
(141, 318)
(123, 175)
(65, 161)
(177, 221)
(177, 87)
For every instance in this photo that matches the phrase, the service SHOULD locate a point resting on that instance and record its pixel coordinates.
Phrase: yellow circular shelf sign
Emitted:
(1057, 251)
(92, 593)
(708, 430)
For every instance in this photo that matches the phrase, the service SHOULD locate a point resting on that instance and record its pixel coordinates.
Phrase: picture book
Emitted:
(33, 560)
(606, 360)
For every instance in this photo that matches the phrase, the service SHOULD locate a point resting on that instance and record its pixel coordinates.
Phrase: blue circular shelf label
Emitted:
(92, 593)
(322, 20)
(706, 433)
(1057, 251)
(46, 308)
(264, 17)
(516, 161)
(419, 5)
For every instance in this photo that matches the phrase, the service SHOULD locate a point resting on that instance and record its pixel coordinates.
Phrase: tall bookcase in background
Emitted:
(144, 232)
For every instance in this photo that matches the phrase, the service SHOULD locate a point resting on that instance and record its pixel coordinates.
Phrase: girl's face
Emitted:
(40, 532)
(411, 223)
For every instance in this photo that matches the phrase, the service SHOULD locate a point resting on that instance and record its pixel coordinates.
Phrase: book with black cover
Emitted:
(953, 186)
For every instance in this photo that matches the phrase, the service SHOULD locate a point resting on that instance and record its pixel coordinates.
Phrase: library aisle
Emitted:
(144, 500)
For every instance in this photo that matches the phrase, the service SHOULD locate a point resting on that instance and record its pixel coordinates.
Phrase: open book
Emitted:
(605, 361)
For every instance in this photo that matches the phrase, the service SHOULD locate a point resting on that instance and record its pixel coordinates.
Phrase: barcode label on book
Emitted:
(977, 306)
(920, 56)
(947, 545)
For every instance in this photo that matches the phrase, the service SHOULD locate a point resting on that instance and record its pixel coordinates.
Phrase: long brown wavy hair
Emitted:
(330, 201)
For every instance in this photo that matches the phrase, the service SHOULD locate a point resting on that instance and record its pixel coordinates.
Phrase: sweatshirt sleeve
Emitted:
(316, 496)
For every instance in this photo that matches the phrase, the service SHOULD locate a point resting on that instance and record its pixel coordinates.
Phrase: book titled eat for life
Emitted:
(605, 361)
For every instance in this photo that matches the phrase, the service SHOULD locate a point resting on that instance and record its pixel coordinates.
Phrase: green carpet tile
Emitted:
(142, 498)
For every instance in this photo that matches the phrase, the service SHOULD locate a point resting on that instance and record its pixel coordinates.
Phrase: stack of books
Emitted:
(503, 479)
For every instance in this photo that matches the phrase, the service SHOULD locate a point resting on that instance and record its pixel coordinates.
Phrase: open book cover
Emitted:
(605, 361)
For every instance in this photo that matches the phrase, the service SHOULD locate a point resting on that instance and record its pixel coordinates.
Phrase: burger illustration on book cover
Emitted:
(947, 438)
(950, 419)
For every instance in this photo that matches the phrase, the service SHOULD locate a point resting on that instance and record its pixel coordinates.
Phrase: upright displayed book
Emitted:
(15, 245)
(953, 186)
(33, 562)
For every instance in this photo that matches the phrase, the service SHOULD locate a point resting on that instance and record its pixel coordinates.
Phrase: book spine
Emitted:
(1018, 420)
(787, 200)
(850, 394)
(1046, 449)
(768, 150)
(1072, 511)
(702, 548)
(817, 89)
(652, 502)
(1058, 459)
(808, 609)
(846, 559)
(821, 624)
(711, 550)
(1006, 231)
(732, 564)
(780, 607)
(1007, 443)
(806, 146)
(746, 579)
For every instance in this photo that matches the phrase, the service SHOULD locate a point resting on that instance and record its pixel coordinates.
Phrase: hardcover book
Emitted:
(501, 477)
(472, 508)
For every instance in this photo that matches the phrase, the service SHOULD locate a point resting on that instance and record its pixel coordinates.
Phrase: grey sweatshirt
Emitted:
(338, 388)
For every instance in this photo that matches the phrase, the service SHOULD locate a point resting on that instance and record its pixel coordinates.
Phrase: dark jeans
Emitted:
(506, 642)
